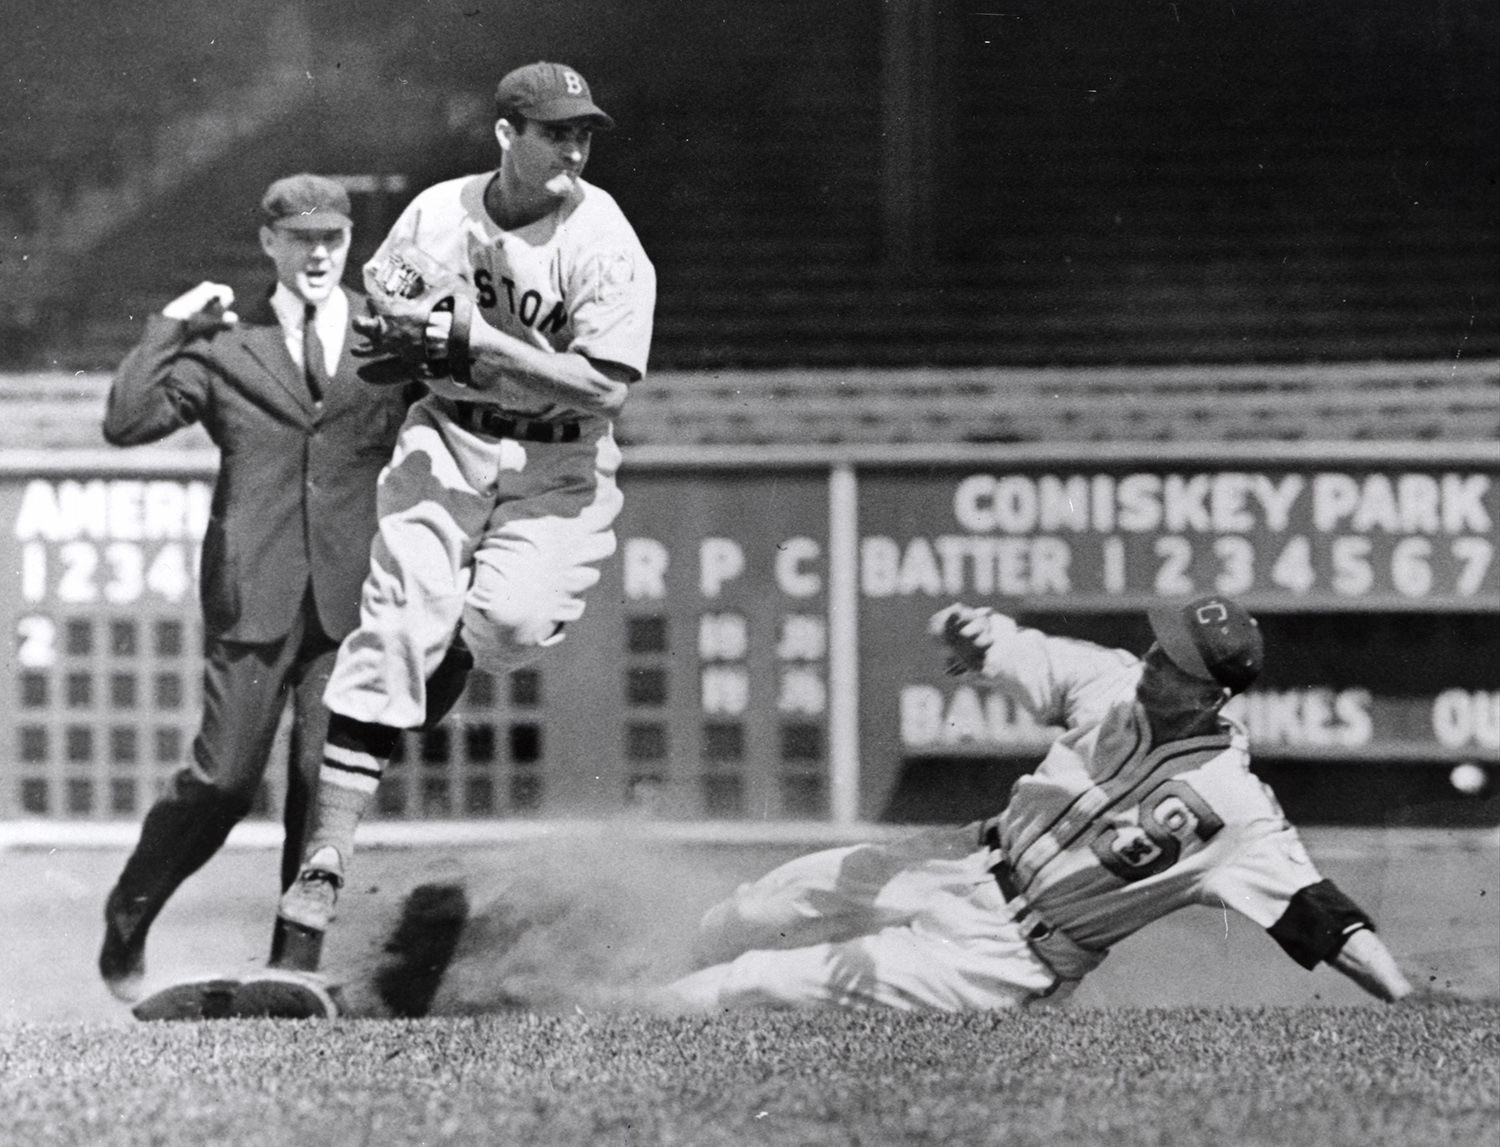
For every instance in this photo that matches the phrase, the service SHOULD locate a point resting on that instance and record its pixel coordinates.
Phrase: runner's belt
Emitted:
(1054, 947)
(1022, 911)
(485, 419)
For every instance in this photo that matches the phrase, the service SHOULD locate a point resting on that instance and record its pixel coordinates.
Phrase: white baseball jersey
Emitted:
(502, 535)
(1111, 832)
(576, 280)
(1108, 834)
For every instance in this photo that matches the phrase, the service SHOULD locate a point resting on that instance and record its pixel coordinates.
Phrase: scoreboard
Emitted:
(1087, 536)
(756, 648)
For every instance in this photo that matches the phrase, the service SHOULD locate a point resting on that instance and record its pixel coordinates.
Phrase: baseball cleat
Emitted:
(295, 948)
(272, 994)
(306, 910)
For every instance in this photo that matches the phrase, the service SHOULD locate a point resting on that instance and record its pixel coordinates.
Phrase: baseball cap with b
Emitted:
(1211, 638)
(306, 203)
(548, 93)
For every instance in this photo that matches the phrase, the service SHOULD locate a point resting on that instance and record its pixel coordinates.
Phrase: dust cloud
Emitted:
(596, 921)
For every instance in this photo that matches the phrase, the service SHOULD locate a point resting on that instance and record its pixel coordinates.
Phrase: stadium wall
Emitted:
(756, 650)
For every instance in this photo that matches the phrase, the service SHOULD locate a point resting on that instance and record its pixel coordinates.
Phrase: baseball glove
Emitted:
(406, 286)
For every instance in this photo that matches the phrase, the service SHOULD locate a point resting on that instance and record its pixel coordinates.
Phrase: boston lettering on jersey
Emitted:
(526, 307)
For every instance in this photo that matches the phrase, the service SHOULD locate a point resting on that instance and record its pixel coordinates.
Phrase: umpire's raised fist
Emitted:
(205, 308)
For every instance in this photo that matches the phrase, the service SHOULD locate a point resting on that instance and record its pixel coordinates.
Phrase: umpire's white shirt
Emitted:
(333, 321)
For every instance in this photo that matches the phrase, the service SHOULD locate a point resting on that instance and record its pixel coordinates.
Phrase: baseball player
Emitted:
(524, 300)
(1143, 805)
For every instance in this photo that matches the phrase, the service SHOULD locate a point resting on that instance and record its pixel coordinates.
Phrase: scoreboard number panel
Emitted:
(1378, 538)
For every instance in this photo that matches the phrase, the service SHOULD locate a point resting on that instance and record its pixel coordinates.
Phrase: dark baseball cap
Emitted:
(548, 93)
(307, 203)
(1211, 638)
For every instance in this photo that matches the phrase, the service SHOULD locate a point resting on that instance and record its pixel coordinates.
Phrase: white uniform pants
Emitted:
(502, 535)
(915, 925)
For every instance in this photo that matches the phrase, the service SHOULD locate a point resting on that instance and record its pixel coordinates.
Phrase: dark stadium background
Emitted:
(839, 182)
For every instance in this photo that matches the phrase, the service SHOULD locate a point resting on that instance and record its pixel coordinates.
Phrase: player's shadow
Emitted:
(421, 948)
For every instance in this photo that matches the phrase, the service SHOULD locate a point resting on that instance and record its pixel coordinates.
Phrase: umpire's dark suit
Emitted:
(284, 557)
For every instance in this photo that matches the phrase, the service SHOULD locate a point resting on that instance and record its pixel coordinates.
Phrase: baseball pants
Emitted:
(915, 925)
(500, 535)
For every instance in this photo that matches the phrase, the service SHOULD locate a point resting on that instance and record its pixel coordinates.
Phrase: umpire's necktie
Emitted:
(314, 366)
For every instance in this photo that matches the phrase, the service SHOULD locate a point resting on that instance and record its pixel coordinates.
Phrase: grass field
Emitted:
(1198, 1031)
(1324, 1077)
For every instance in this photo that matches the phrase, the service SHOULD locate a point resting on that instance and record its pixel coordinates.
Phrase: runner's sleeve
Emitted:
(1273, 882)
(1058, 680)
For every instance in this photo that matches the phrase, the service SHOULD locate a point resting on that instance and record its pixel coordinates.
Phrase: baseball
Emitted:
(1467, 778)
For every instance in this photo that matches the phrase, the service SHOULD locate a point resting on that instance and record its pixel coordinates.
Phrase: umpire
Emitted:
(302, 441)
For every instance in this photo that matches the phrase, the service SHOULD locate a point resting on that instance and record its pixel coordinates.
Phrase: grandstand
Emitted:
(846, 184)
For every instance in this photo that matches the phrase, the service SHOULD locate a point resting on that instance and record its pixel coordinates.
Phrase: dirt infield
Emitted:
(599, 907)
